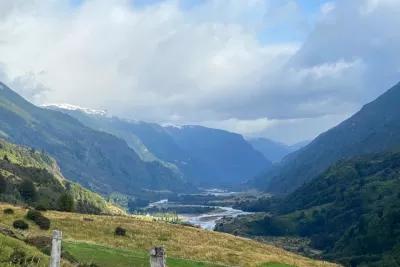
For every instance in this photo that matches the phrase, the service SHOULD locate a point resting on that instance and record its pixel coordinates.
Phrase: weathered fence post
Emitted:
(55, 260)
(157, 257)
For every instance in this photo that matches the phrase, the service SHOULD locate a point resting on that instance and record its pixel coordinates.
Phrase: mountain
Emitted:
(31, 177)
(272, 150)
(217, 157)
(375, 128)
(206, 157)
(97, 160)
(351, 212)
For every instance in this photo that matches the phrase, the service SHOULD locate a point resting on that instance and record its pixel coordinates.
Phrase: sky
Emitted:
(283, 69)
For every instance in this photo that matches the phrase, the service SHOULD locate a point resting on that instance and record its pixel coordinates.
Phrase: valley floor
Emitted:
(91, 239)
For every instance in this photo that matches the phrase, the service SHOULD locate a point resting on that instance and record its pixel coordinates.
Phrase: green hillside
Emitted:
(351, 212)
(31, 177)
(97, 160)
(375, 128)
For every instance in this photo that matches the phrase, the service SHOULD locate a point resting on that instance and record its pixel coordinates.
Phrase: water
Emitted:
(206, 220)
(209, 220)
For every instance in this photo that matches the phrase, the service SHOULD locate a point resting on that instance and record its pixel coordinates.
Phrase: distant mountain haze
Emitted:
(218, 157)
(272, 150)
(375, 128)
(203, 156)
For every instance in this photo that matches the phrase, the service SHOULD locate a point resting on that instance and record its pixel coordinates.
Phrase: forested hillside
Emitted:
(351, 212)
(97, 160)
(33, 178)
(375, 128)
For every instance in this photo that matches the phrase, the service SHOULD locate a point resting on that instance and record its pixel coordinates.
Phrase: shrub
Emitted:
(120, 231)
(20, 224)
(39, 219)
(33, 214)
(43, 223)
(66, 203)
(8, 211)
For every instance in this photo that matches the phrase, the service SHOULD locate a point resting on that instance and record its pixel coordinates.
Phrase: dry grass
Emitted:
(180, 241)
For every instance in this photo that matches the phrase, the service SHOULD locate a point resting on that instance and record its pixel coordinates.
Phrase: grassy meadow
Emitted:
(91, 239)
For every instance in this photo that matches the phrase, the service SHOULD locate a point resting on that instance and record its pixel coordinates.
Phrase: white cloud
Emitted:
(208, 64)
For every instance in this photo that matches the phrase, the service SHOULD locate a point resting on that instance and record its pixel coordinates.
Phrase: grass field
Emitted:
(96, 234)
(107, 256)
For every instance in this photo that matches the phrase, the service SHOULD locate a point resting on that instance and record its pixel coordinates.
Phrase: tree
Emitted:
(3, 184)
(28, 191)
(66, 203)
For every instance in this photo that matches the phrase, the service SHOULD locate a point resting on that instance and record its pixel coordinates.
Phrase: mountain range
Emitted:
(375, 128)
(109, 154)
(95, 159)
(203, 156)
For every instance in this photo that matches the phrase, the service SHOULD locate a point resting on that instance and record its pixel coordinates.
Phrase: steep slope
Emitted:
(272, 150)
(375, 128)
(30, 177)
(97, 160)
(218, 157)
(149, 140)
(210, 167)
(351, 212)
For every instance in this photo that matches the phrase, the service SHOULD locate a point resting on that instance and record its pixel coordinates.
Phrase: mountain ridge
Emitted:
(375, 128)
(97, 160)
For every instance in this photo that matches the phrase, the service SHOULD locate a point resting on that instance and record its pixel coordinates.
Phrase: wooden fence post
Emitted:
(55, 260)
(157, 257)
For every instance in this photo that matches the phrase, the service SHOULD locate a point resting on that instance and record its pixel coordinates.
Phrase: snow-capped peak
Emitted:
(74, 107)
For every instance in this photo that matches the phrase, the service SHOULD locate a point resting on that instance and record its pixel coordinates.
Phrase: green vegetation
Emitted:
(13, 252)
(351, 212)
(20, 224)
(31, 177)
(104, 256)
(38, 218)
(97, 160)
(185, 246)
(374, 129)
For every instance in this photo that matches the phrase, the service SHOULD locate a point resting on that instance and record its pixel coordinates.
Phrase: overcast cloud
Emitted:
(261, 68)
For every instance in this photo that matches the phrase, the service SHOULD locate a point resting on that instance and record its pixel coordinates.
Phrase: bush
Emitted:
(43, 223)
(66, 203)
(8, 211)
(20, 224)
(33, 214)
(120, 231)
(39, 219)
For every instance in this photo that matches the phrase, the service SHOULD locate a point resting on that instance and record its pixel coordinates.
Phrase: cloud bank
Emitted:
(256, 67)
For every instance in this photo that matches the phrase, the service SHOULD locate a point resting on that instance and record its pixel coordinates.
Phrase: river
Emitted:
(208, 220)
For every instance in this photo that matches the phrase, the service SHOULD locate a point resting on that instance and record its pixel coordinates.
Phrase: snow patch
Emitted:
(78, 108)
